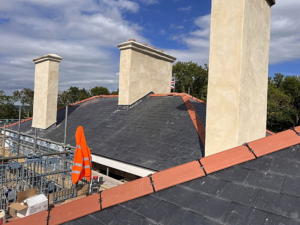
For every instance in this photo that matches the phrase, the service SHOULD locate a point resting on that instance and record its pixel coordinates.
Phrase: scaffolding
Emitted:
(27, 162)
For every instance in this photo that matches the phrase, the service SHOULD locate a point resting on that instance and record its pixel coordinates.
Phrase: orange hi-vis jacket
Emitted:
(82, 160)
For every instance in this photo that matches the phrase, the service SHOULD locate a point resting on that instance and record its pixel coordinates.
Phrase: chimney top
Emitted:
(50, 57)
(131, 39)
(146, 49)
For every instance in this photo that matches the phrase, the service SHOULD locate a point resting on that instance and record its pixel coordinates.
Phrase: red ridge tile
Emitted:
(275, 142)
(22, 121)
(225, 159)
(126, 192)
(177, 175)
(195, 118)
(35, 219)
(270, 132)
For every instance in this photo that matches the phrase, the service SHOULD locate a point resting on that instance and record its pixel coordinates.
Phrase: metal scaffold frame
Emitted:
(28, 161)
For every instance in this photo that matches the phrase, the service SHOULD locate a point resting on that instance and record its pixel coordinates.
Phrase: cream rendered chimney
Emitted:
(143, 69)
(45, 90)
(238, 73)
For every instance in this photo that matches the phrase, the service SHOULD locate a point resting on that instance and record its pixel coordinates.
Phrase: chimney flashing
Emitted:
(147, 50)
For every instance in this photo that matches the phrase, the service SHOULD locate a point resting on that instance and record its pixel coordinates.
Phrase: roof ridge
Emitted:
(195, 118)
(167, 178)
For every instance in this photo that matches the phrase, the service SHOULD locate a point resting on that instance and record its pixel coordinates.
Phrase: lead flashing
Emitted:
(146, 50)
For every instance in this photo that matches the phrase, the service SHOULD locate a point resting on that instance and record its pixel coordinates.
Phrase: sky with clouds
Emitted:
(86, 34)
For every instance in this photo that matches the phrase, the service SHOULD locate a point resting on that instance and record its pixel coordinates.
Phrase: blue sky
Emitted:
(86, 34)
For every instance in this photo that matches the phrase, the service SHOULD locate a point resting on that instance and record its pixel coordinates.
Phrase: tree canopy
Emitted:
(99, 91)
(191, 75)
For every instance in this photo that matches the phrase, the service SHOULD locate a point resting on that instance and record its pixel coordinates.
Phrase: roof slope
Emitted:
(254, 184)
(158, 133)
(262, 191)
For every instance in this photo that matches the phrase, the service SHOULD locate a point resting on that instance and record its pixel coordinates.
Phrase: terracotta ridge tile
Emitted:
(270, 132)
(275, 142)
(165, 179)
(22, 121)
(195, 118)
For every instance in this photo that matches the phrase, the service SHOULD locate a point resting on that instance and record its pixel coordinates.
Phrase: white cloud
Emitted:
(196, 41)
(84, 33)
(150, 2)
(285, 31)
(162, 31)
(185, 8)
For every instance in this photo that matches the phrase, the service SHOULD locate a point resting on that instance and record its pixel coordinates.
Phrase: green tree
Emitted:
(281, 112)
(83, 94)
(64, 98)
(278, 79)
(25, 96)
(291, 86)
(191, 75)
(74, 93)
(115, 92)
(99, 90)
(7, 108)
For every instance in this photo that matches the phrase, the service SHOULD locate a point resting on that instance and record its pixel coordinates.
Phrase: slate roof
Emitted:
(157, 134)
(265, 191)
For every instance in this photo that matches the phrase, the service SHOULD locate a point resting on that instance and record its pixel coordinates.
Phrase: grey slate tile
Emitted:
(236, 174)
(285, 167)
(209, 206)
(238, 193)
(162, 211)
(243, 215)
(291, 186)
(281, 204)
(260, 164)
(130, 218)
(280, 220)
(265, 180)
(258, 217)
(193, 218)
(175, 216)
(236, 214)
(180, 196)
(287, 153)
(208, 185)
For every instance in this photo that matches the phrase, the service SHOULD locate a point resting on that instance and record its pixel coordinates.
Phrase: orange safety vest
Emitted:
(82, 160)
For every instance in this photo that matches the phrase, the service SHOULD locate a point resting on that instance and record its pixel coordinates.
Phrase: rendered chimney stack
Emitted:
(45, 90)
(238, 73)
(142, 69)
